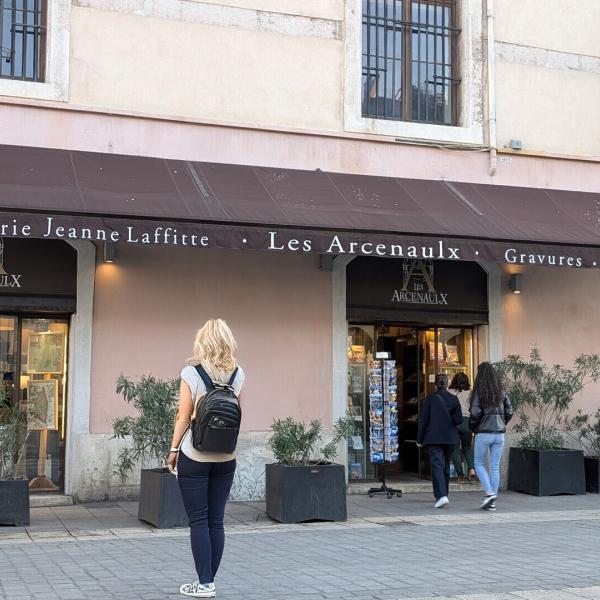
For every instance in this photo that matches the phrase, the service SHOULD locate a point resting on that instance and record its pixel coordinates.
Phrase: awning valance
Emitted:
(68, 194)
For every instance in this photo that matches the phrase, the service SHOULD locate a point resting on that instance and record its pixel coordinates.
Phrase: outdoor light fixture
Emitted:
(110, 252)
(516, 283)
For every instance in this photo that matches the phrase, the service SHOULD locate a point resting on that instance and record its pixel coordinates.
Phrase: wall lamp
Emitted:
(516, 283)
(110, 252)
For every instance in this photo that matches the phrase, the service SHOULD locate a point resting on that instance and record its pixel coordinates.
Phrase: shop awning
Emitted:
(240, 206)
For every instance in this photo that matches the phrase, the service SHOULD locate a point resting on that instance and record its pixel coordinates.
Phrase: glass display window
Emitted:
(33, 363)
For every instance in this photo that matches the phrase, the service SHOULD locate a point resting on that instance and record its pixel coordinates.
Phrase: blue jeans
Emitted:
(205, 488)
(494, 442)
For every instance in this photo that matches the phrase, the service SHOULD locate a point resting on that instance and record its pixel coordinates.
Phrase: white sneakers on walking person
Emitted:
(198, 590)
(488, 500)
(443, 501)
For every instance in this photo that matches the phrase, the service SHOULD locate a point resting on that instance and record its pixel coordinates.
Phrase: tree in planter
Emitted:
(151, 431)
(541, 395)
(295, 443)
(587, 433)
(587, 428)
(304, 484)
(14, 492)
(13, 436)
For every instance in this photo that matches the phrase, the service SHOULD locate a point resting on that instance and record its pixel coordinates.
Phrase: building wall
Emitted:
(147, 308)
(557, 312)
(548, 75)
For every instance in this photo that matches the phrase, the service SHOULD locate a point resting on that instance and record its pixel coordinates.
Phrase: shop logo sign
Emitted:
(7, 280)
(417, 285)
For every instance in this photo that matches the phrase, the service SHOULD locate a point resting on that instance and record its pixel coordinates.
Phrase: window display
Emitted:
(33, 353)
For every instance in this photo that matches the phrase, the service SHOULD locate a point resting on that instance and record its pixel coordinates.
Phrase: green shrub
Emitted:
(542, 395)
(295, 443)
(151, 431)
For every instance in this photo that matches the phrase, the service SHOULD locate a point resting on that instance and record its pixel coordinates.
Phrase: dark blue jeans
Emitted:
(439, 456)
(205, 488)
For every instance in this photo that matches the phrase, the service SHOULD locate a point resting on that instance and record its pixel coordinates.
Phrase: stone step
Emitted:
(49, 500)
(410, 487)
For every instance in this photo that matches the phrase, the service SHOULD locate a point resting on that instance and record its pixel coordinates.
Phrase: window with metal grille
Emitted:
(23, 39)
(409, 60)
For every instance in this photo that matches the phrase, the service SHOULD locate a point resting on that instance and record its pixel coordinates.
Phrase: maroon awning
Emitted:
(105, 190)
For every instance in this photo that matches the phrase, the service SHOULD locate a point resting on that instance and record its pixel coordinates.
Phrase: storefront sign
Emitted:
(380, 289)
(275, 239)
(7, 280)
(417, 286)
(37, 268)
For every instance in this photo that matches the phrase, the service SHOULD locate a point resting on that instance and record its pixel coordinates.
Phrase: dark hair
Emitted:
(441, 380)
(460, 382)
(488, 386)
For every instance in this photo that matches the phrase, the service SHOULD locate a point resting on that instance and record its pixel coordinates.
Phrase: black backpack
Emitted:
(216, 426)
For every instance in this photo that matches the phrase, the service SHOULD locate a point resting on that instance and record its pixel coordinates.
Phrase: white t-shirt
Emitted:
(464, 397)
(198, 389)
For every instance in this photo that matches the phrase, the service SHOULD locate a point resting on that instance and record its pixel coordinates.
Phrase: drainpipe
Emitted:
(491, 64)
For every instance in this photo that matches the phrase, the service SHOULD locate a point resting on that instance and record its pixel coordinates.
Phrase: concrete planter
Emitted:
(546, 472)
(306, 493)
(161, 503)
(14, 502)
(592, 474)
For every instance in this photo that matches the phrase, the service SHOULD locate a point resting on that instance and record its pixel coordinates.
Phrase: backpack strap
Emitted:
(232, 378)
(208, 382)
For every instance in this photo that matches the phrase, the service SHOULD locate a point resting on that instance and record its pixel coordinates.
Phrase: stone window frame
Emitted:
(56, 83)
(470, 50)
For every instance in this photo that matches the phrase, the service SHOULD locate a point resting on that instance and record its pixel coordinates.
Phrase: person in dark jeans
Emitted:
(440, 416)
(460, 386)
(205, 488)
(204, 478)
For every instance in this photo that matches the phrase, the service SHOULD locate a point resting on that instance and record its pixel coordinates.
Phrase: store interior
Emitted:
(419, 353)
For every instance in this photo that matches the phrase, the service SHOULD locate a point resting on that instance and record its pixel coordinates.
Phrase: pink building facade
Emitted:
(289, 308)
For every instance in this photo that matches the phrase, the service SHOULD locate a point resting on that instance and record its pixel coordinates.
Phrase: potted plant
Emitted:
(542, 396)
(150, 435)
(587, 428)
(14, 491)
(304, 484)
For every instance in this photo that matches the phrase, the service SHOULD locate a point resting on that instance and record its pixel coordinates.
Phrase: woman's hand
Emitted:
(171, 462)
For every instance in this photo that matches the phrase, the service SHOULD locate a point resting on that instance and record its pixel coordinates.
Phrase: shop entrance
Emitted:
(422, 316)
(419, 353)
(38, 289)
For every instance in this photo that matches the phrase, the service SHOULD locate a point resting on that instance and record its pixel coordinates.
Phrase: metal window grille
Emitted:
(409, 60)
(23, 39)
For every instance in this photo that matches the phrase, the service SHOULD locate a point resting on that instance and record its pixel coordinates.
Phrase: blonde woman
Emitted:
(204, 478)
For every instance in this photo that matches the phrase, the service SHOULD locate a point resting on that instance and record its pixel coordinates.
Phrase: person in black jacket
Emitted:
(490, 412)
(440, 415)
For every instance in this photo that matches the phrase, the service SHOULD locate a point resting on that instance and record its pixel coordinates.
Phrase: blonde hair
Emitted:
(214, 347)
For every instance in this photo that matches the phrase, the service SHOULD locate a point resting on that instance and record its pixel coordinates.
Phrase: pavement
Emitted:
(531, 548)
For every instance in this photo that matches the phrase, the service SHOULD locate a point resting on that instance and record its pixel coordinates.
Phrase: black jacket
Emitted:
(489, 420)
(440, 415)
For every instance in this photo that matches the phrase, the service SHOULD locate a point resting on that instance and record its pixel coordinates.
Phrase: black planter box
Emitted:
(592, 475)
(546, 472)
(306, 493)
(160, 500)
(14, 502)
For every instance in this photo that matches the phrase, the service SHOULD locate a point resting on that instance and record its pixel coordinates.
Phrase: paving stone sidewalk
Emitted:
(532, 548)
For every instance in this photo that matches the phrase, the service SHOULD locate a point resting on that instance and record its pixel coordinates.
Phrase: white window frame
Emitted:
(56, 84)
(470, 128)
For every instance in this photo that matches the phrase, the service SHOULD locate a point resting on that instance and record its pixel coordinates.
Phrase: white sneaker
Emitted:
(197, 590)
(443, 501)
(488, 499)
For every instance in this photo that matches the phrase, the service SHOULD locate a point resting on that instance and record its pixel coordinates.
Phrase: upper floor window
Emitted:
(409, 60)
(23, 39)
